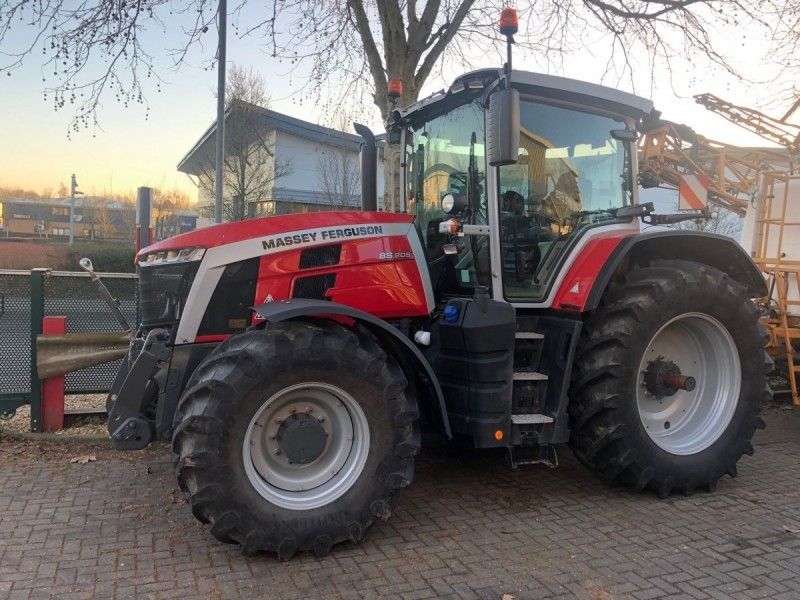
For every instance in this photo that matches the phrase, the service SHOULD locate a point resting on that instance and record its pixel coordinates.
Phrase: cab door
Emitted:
(570, 175)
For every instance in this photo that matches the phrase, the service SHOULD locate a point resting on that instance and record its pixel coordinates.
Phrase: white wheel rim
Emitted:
(688, 422)
(326, 477)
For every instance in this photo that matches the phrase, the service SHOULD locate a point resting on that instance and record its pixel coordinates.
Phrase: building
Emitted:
(95, 218)
(276, 164)
(173, 223)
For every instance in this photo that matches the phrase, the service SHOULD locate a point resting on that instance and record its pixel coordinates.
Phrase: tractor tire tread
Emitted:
(598, 396)
(200, 434)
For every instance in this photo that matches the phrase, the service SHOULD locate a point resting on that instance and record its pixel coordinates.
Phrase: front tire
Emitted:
(690, 325)
(295, 437)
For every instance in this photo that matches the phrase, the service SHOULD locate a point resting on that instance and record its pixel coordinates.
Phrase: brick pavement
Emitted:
(468, 527)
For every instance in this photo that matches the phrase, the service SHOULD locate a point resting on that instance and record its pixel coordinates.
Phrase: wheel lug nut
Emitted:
(277, 450)
(309, 409)
(322, 419)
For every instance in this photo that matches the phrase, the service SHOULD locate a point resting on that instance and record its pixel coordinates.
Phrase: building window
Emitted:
(264, 208)
(60, 231)
(60, 212)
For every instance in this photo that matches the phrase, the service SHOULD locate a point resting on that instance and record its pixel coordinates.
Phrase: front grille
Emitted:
(320, 257)
(229, 309)
(163, 289)
(314, 287)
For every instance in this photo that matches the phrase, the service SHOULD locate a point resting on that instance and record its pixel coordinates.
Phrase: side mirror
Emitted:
(625, 135)
(648, 180)
(502, 127)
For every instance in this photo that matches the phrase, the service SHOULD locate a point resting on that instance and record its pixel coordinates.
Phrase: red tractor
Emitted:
(514, 302)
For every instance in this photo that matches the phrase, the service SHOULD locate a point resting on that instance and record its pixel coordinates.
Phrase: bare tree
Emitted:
(18, 192)
(250, 168)
(338, 171)
(166, 201)
(101, 220)
(339, 177)
(96, 48)
(721, 221)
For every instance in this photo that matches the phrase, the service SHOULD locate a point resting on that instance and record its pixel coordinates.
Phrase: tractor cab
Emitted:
(571, 168)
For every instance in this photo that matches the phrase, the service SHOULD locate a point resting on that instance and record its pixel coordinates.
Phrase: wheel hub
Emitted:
(683, 415)
(306, 445)
(302, 439)
(664, 378)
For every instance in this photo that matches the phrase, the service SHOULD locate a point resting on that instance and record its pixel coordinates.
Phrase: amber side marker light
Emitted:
(450, 226)
(498, 435)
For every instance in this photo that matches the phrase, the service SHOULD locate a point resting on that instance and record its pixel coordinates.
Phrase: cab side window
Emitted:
(570, 173)
(446, 154)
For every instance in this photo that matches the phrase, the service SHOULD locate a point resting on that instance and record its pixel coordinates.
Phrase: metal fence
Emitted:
(27, 296)
(15, 333)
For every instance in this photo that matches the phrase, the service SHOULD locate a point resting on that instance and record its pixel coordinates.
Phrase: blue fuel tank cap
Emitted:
(451, 313)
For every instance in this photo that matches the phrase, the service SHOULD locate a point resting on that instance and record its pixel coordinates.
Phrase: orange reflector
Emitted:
(394, 89)
(498, 435)
(509, 21)
(452, 226)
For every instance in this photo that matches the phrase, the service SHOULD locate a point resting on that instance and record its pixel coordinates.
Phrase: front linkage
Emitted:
(133, 398)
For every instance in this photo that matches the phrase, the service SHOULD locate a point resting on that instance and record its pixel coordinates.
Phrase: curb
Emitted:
(53, 437)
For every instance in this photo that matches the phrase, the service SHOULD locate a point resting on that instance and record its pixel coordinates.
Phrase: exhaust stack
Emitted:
(369, 168)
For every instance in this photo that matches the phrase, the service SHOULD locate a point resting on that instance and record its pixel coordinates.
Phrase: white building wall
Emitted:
(306, 160)
(301, 158)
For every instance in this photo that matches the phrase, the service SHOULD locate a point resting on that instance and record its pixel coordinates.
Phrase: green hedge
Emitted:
(106, 256)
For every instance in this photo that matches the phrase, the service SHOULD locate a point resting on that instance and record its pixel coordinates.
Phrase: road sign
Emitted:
(693, 192)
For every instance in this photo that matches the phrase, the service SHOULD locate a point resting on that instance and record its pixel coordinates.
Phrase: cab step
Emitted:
(530, 419)
(529, 376)
(528, 335)
(532, 455)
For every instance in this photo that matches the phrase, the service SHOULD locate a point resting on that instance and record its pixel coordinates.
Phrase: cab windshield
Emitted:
(570, 175)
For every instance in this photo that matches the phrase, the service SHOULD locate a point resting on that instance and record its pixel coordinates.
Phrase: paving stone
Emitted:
(467, 527)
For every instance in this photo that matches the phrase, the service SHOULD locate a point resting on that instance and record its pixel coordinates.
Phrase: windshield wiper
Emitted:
(621, 212)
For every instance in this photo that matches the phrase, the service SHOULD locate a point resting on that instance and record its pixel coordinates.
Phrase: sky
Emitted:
(130, 150)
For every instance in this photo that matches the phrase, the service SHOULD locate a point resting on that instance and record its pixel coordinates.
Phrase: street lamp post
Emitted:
(72, 193)
(222, 25)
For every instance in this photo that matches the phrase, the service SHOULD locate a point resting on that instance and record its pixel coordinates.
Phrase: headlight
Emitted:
(454, 204)
(178, 255)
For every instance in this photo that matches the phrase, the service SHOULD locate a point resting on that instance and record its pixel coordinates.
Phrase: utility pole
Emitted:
(222, 26)
(72, 193)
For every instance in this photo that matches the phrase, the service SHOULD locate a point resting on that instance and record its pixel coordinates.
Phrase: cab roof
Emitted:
(562, 89)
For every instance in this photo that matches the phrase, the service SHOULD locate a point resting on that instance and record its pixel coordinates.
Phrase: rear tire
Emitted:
(621, 423)
(326, 486)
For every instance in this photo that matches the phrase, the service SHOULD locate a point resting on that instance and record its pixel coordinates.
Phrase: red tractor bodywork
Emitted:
(377, 265)
(379, 269)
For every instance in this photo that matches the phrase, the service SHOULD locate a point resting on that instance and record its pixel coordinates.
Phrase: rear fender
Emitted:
(413, 362)
(717, 251)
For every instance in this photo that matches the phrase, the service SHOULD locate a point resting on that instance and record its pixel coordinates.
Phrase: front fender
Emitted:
(408, 355)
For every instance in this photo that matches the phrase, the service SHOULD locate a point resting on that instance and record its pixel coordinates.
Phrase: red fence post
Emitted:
(53, 387)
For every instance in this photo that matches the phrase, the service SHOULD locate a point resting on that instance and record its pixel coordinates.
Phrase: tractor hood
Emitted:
(228, 233)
